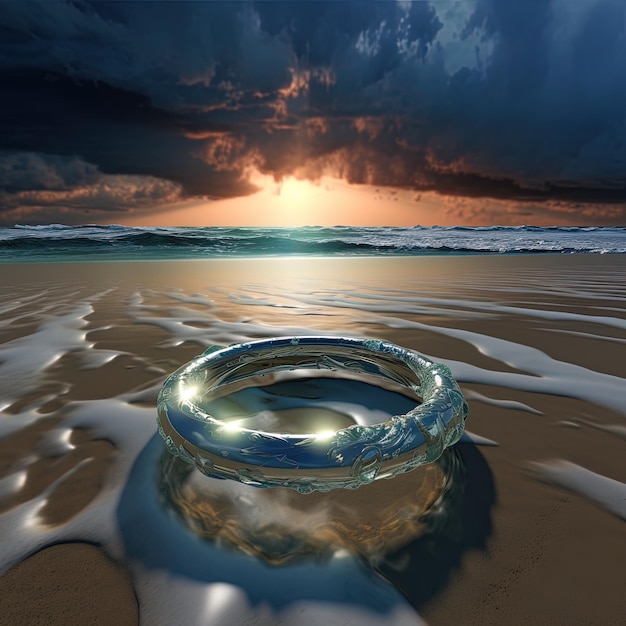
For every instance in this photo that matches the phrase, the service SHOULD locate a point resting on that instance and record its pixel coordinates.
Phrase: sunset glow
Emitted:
(363, 113)
(294, 202)
(331, 201)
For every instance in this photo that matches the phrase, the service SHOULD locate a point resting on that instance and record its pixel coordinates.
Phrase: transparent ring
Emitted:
(344, 458)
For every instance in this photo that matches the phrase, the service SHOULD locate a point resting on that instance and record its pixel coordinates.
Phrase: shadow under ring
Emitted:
(322, 460)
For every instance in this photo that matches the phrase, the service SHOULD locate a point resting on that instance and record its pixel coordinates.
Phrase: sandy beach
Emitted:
(521, 523)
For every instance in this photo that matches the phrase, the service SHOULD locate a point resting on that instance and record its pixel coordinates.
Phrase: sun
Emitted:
(291, 202)
(296, 201)
(297, 192)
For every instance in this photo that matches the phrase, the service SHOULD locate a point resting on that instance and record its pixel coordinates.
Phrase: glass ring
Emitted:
(344, 458)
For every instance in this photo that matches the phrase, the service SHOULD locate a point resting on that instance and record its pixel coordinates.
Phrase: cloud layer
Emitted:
(125, 105)
(42, 188)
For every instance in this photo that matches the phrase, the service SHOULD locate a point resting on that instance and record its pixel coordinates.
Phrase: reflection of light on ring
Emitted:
(347, 457)
(324, 435)
(186, 393)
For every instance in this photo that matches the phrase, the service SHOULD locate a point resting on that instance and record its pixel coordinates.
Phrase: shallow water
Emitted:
(85, 350)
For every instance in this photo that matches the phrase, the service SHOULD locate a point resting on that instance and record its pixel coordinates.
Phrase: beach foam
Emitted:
(62, 337)
(609, 493)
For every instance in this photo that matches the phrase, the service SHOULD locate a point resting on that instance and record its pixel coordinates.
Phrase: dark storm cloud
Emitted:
(484, 98)
(119, 131)
(34, 187)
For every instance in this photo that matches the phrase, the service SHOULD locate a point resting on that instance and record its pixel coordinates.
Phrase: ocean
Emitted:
(57, 242)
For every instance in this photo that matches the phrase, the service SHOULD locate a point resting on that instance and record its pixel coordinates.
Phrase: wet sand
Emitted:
(522, 523)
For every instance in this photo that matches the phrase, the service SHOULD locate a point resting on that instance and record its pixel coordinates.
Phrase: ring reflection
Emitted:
(280, 525)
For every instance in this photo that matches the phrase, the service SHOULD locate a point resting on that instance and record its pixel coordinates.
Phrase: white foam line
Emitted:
(488, 307)
(55, 442)
(12, 305)
(219, 331)
(97, 522)
(477, 440)
(333, 301)
(135, 300)
(608, 493)
(613, 429)
(24, 358)
(609, 293)
(10, 321)
(12, 423)
(149, 394)
(609, 308)
(129, 427)
(252, 301)
(167, 599)
(575, 333)
(549, 375)
(606, 291)
(94, 359)
(12, 483)
(194, 298)
(504, 404)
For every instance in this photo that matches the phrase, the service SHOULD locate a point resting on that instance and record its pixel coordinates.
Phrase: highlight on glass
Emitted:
(205, 418)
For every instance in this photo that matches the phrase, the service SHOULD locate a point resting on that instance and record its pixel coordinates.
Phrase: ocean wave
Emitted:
(116, 241)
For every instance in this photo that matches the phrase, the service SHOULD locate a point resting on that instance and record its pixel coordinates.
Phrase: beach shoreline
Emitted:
(535, 341)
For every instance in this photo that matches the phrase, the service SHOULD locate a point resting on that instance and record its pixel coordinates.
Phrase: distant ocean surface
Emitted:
(94, 243)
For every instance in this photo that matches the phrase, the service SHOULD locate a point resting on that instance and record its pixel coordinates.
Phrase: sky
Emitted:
(287, 113)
